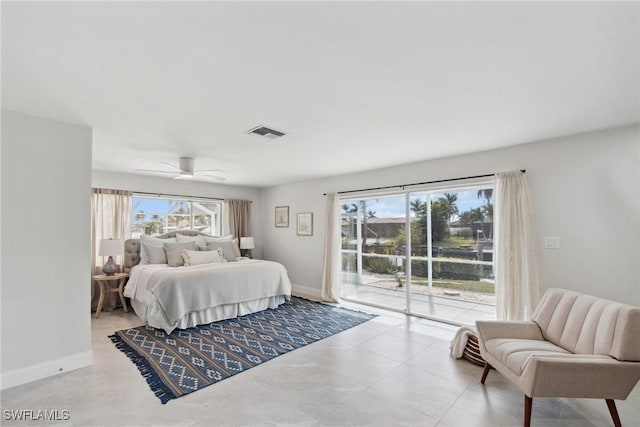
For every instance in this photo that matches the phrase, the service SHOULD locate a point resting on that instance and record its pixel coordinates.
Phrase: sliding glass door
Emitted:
(373, 250)
(447, 271)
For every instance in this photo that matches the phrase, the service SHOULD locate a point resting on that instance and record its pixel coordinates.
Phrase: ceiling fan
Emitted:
(186, 170)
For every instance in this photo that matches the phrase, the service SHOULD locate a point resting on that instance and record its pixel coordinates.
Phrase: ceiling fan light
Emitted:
(186, 165)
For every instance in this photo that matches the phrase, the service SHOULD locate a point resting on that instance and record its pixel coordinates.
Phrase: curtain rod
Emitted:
(176, 195)
(419, 183)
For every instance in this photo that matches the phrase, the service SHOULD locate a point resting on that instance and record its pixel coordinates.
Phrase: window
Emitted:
(158, 215)
(447, 271)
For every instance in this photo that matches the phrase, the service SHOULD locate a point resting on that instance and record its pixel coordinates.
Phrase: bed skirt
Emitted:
(210, 315)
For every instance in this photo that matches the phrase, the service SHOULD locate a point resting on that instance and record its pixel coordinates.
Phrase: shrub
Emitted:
(380, 265)
(451, 270)
(419, 268)
(465, 233)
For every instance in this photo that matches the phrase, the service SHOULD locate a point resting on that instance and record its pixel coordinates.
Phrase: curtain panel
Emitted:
(238, 214)
(517, 283)
(331, 268)
(110, 219)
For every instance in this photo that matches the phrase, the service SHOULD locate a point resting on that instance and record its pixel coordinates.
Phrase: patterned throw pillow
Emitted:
(201, 257)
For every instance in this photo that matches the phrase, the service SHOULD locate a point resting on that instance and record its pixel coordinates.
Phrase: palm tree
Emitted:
(156, 222)
(487, 209)
(419, 207)
(486, 193)
(140, 216)
(365, 225)
(471, 216)
(451, 199)
(349, 208)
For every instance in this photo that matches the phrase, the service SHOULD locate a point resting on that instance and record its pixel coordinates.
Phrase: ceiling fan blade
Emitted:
(155, 171)
(171, 166)
(183, 176)
(218, 178)
(209, 170)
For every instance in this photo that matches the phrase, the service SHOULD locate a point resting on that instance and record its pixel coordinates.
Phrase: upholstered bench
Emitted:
(574, 346)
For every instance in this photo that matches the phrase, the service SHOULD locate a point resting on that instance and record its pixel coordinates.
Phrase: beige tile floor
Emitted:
(393, 370)
(450, 310)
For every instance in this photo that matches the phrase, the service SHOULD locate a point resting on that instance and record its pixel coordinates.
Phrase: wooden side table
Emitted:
(101, 280)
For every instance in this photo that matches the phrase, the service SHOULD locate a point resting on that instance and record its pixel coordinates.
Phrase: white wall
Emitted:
(45, 262)
(586, 190)
(152, 184)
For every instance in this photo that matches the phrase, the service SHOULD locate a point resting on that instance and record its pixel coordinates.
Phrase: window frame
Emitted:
(216, 229)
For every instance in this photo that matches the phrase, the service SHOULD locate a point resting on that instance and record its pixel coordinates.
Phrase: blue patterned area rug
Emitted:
(187, 360)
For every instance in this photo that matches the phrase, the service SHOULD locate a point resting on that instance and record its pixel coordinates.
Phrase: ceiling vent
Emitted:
(265, 131)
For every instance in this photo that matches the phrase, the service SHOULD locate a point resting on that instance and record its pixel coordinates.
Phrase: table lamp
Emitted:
(247, 244)
(110, 248)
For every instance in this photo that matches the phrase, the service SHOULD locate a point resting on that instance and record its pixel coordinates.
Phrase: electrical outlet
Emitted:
(552, 242)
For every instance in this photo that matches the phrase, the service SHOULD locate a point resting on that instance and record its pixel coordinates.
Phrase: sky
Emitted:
(393, 207)
(384, 207)
(150, 207)
(161, 207)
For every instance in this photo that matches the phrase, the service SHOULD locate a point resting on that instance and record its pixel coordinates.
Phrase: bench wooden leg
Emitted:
(527, 410)
(487, 367)
(611, 404)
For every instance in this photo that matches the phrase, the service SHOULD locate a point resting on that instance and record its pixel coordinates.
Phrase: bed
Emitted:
(182, 297)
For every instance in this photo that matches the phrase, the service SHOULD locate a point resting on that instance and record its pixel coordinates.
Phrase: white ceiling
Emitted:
(356, 86)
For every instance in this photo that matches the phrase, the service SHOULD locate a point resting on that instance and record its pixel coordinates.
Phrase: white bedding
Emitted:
(170, 297)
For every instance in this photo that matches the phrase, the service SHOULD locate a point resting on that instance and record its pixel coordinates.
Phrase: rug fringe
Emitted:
(159, 388)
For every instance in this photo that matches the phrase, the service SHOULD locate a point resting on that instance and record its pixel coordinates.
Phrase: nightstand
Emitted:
(101, 280)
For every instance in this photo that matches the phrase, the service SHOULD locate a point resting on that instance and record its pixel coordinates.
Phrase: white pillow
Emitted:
(199, 241)
(201, 257)
(228, 238)
(152, 250)
(228, 249)
(174, 252)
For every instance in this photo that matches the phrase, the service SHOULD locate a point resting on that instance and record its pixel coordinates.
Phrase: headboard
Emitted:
(132, 247)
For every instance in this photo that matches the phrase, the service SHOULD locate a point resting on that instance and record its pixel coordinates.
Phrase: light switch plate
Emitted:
(552, 242)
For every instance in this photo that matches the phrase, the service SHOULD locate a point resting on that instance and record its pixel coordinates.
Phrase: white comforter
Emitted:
(172, 292)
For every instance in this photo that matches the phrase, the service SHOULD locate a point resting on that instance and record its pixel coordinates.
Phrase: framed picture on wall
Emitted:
(282, 216)
(305, 224)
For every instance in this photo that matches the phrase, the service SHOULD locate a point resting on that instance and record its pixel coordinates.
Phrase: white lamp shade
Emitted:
(247, 243)
(110, 247)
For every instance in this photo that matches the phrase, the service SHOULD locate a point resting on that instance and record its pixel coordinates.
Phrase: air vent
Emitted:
(265, 131)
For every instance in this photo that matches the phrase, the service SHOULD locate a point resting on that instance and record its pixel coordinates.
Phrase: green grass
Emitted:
(459, 285)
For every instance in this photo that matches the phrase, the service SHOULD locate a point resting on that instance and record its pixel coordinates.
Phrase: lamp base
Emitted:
(110, 268)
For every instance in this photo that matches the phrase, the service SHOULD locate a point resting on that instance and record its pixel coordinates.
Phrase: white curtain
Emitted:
(110, 219)
(331, 271)
(517, 284)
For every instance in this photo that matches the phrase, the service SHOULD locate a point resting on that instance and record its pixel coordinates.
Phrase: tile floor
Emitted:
(451, 310)
(392, 370)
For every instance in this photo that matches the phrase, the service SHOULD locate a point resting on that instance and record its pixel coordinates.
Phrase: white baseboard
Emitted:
(306, 292)
(46, 369)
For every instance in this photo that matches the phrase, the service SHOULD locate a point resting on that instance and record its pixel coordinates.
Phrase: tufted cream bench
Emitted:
(575, 345)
